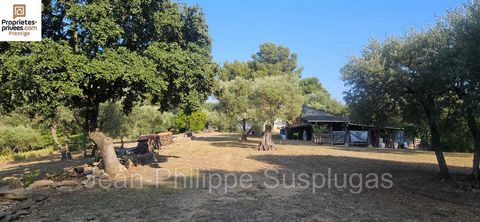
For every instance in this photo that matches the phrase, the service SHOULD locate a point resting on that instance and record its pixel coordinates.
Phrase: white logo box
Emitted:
(20, 20)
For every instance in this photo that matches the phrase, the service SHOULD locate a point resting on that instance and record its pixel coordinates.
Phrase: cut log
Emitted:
(110, 159)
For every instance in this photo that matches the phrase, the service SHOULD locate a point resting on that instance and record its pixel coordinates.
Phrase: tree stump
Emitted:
(110, 159)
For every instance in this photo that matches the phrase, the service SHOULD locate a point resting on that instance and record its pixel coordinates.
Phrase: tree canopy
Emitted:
(424, 77)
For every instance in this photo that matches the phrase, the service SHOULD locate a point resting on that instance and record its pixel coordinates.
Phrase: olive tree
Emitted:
(275, 97)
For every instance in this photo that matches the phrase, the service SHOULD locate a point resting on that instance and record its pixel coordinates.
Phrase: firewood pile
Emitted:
(148, 143)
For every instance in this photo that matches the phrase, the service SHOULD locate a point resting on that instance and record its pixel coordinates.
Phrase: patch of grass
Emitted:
(5, 157)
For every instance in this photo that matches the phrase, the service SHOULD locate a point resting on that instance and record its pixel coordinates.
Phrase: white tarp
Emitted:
(359, 136)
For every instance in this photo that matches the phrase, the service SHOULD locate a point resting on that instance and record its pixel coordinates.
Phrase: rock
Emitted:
(3, 214)
(40, 183)
(6, 218)
(4, 189)
(90, 218)
(22, 213)
(39, 197)
(67, 183)
(25, 205)
(68, 189)
(17, 194)
(16, 183)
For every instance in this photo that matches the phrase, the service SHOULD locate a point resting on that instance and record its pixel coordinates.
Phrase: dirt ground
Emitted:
(178, 192)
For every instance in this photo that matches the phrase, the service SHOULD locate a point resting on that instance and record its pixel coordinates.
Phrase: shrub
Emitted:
(195, 121)
(19, 138)
(221, 121)
(142, 120)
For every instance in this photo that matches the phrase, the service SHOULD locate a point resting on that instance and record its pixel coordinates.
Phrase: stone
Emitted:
(67, 183)
(17, 194)
(40, 183)
(16, 183)
(6, 218)
(3, 214)
(39, 197)
(68, 189)
(22, 213)
(25, 205)
(4, 189)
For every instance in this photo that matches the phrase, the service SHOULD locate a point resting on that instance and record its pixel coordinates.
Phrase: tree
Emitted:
(409, 72)
(273, 99)
(235, 98)
(369, 96)
(237, 69)
(42, 78)
(465, 35)
(134, 48)
(317, 97)
(272, 59)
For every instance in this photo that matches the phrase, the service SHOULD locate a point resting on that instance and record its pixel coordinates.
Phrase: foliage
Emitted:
(272, 60)
(196, 121)
(316, 96)
(319, 129)
(427, 78)
(235, 99)
(98, 51)
(230, 71)
(142, 120)
(18, 138)
(272, 98)
(218, 119)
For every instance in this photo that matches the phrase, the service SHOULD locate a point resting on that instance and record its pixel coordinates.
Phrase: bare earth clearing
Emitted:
(413, 197)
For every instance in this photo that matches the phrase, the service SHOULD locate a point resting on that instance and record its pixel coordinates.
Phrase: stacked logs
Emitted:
(151, 142)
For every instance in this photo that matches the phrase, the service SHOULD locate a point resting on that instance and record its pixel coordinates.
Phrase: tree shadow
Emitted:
(414, 196)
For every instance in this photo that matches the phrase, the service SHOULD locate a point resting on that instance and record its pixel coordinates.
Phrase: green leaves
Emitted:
(277, 97)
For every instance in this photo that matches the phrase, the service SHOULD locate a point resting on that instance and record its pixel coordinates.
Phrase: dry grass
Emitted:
(26, 155)
(414, 196)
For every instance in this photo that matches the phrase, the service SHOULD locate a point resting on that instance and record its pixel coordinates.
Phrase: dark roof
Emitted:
(320, 116)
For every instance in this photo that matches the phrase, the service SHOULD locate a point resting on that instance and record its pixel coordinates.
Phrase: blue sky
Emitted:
(323, 33)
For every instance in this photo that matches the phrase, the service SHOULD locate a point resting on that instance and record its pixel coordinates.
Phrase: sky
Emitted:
(323, 33)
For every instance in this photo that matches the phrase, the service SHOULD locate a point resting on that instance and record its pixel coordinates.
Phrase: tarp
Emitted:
(359, 136)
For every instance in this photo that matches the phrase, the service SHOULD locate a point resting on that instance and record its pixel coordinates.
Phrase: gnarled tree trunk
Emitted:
(110, 160)
(267, 143)
(64, 150)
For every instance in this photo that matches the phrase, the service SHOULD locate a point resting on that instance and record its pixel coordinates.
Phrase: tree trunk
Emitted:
(110, 159)
(90, 125)
(244, 130)
(429, 106)
(472, 124)
(64, 151)
(267, 143)
(437, 147)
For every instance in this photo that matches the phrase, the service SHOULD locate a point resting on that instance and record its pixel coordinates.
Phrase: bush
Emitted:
(221, 122)
(19, 138)
(148, 119)
(142, 120)
(195, 121)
